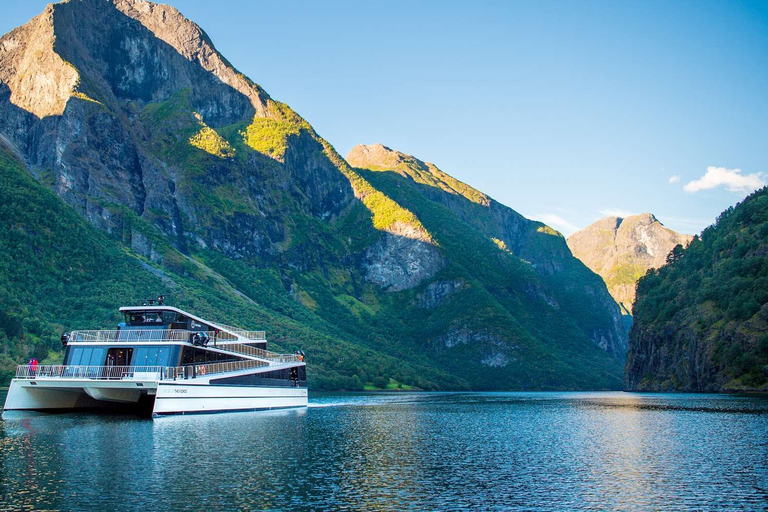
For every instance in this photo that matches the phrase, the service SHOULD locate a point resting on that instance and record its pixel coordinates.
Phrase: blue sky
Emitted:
(564, 111)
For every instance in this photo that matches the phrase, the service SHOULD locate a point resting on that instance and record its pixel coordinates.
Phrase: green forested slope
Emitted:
(701, 321)
(181, 176)
(58, 272)
(504, 313)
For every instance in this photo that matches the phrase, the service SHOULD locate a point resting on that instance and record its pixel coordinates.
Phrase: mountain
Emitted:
(621, 250)
(188, 172)
(63, 271)
(701, 321)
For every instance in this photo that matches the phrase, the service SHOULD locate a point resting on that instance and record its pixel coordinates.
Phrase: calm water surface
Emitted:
(394, 451)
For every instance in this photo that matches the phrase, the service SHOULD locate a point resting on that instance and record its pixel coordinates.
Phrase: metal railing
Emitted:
(143, 373)
(201, 370)
(90, 372)
(153, 335)
(221, 340)
(249, 335)
(131, 336)
(259, 353)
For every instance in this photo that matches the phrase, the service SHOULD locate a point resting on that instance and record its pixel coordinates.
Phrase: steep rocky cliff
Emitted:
(701, 321)
(621, 250)
(126, 110)
(455, 212)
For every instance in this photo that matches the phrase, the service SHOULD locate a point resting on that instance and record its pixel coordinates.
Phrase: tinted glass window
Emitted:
(86, 357)
(163, 356)
(140, 359)
(75, 355)
(97, 356)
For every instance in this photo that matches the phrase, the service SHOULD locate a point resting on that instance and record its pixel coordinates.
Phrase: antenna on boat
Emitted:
(160, 301)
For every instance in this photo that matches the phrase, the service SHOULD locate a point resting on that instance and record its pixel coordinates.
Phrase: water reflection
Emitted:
(435, 451)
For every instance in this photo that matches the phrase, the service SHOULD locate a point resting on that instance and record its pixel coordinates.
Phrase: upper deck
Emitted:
(172, 318)
(160, 335)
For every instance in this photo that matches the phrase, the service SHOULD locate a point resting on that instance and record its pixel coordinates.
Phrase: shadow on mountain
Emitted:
(478, 230)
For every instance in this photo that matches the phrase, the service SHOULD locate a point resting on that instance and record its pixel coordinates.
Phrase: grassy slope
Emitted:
(59, 272)
(311, 293)
(553, 352)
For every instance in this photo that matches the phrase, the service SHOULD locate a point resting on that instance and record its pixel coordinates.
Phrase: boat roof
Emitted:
(235, 331)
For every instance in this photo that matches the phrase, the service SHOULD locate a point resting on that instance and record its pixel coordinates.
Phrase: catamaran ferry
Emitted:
(165, 361)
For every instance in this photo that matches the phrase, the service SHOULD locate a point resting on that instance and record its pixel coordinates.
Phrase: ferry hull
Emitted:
(183, 398)
(195, 396)
(63, 394)
(25, 397)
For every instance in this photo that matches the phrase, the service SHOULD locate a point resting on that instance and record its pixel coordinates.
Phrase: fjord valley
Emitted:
(701, 320)
(136, 160)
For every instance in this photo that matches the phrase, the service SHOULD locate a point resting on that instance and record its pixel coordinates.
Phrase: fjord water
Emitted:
(395, 451)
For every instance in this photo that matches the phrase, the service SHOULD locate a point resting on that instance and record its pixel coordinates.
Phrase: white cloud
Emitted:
(616, 212)
(732, 179)
(557, 222)
(674, 179)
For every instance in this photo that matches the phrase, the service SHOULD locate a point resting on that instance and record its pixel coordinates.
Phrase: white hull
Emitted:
(171, 397)
(23, 396)
(183, 398)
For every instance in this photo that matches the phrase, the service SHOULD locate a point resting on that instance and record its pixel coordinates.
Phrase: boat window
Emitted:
(151, 356)
(85, 360)
(97, 356)
(199, 356)
(140, 359)
(75, 355)
(145, 318)
(163, 356)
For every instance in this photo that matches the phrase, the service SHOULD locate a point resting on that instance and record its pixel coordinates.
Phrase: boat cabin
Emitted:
(164, 336)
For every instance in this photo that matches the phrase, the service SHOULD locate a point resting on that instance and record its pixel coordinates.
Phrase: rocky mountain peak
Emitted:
(37, 79)
(139, 50)
(374, 155)
(128, 113)
(187, 38)
(621, 250)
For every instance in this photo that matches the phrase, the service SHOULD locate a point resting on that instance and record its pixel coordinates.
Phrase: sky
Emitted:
(564, 111)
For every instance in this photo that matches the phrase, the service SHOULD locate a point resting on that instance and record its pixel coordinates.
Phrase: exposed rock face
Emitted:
(533, 242)
(75, 83)
(399, 260)
(495, 352)
(436, 292)
(189, 40)
(38, 79)
(127, 111)
(621, 250)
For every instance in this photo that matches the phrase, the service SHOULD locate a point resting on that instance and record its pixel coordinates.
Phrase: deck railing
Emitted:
(260, 353)
(90, 372)
(133, 335)
(153, 335)
(143, 373)
(201, 370)
(249, 335)
(220, 340)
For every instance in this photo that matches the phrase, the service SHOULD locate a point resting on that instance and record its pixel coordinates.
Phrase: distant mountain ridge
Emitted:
(128, 113)
(621, 250)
